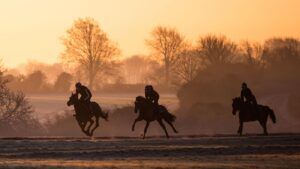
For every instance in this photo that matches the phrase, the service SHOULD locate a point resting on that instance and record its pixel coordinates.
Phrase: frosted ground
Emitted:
(222, 152)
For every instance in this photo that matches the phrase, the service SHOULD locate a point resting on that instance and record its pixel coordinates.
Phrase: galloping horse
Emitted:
(250, 113)
(147, 112)
(83, 115)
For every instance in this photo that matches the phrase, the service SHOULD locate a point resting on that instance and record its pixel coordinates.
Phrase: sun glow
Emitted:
(31, 30)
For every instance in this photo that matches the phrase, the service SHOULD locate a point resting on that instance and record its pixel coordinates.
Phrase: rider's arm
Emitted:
(88, 94)
(147, 94)
(242, 95)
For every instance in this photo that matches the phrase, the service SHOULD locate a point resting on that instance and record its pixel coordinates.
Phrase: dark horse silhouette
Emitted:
(146, 112)
(83, 116)
(248, 113)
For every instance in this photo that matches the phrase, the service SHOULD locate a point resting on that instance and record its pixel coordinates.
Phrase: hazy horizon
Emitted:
(31, 30)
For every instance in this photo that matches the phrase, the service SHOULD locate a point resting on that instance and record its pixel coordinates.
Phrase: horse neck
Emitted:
(77, 107)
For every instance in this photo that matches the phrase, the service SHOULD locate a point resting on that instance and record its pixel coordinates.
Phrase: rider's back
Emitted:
(84, 92)
(152, 95)
(246, 93)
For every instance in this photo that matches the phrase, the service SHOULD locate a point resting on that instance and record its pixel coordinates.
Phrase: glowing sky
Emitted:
(31, 29)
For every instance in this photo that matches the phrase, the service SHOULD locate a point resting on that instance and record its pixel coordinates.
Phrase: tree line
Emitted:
(180, 61)
(92, 57)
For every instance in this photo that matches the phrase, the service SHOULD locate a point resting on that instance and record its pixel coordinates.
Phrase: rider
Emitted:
(151, 95)
(247, 95)
(85, 94)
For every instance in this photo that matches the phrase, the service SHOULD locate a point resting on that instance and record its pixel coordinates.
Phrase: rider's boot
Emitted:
(157, 109)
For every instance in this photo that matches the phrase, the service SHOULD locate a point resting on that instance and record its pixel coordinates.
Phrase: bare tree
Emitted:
(138, 67)
(279, 51)
(88, 46)
(166, 43)
(188, 65)
(110, 74)
(216, 49)
(14, 107)
(252, 52)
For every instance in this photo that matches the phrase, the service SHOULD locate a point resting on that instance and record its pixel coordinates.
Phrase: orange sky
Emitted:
(30, 29)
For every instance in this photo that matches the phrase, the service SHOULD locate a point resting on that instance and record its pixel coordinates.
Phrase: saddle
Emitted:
(157, 108)
(88, 106)
(252, 107)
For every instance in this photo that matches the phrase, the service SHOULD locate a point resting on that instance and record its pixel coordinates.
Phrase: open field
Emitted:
(274, 152)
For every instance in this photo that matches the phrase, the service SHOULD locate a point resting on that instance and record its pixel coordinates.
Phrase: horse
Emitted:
(83, 114)
(148, 113)
(249, 113)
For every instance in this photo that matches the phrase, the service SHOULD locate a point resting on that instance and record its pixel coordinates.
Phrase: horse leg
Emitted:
(136, 120)
(145, 129)
(163, 126)
(82, 126)
(171, 124)
(240, 131)
(265, 129)
(89, 127)
(96, 126)
(264, 126)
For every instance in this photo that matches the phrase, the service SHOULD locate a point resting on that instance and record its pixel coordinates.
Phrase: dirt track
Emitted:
(277, 151)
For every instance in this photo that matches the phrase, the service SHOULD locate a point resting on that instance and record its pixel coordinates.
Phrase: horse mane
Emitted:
(140, 98)
(74, 95)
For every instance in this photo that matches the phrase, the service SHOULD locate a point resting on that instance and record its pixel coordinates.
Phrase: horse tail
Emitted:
(167, 115)
(104, 115)
(272, 114)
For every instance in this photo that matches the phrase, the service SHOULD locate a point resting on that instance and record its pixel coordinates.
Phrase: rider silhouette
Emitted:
(85, 95)
(152, 96)
(247, 95)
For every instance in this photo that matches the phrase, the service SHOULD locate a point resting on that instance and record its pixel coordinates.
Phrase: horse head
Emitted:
(137, 104)
(236, 104)
(73, 99)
